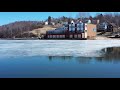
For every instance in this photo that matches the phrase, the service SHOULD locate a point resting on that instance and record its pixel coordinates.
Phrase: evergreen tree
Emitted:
(49, 20)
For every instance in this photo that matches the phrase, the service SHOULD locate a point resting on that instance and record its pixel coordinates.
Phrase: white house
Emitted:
(46, 23)
(53, 23)
(72, 22)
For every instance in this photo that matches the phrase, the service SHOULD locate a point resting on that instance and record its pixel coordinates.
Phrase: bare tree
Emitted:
(82, 15)
(117, 18)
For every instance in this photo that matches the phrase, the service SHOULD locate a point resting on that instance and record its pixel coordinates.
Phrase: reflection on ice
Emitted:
(76, 48)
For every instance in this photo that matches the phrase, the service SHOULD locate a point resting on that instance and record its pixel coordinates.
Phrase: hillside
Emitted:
(16, 29)
(38, 32)
(26, 29)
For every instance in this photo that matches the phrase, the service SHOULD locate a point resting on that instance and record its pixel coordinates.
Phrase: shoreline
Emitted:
(105, 38)
(19, 39)
(96, 38)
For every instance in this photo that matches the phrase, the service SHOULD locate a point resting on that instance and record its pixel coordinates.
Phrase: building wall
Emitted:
(91, 30)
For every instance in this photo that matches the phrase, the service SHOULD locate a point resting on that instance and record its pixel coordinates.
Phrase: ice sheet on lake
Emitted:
(86, 48)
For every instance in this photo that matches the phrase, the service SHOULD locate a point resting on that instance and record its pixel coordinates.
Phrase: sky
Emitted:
(9, 17)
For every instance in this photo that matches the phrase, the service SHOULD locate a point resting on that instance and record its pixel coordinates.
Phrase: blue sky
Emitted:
(8, 17)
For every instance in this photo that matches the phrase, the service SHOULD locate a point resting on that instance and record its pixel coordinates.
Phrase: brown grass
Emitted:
(41, 31)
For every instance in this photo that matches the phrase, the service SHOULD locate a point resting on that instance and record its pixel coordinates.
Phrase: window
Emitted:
(94, 29)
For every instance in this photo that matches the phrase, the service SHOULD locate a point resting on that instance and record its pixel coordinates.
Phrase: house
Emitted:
(72, 22)
(52, 23)
(105, 27)
(64, 23)
(46, 23)
(73, 31)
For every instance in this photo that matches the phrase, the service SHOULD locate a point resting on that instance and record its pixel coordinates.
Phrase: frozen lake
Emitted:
(59, 58)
